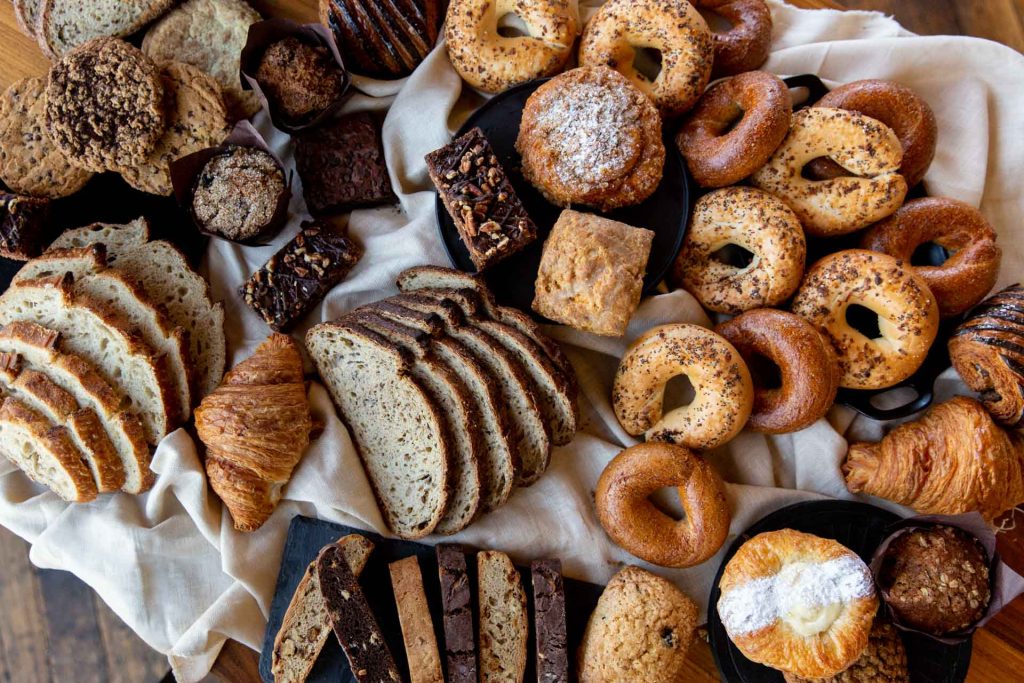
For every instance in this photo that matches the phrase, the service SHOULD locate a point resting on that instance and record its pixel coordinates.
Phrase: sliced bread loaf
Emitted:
(62, 25)
(78, 261)
(36, 346)
(397, 428)
(117, 239)
(504, 628)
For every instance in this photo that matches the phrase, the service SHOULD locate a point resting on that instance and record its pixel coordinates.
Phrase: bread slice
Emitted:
(76, 261)
(88, 328)
(62, 25)
(36, 347)
(26, 12)
(116, 239)
(503, 623)
(414, 618)
(397, 428)
(496, 457)
(306, 626)
(44, 452)
(458, 409)
(457, 614)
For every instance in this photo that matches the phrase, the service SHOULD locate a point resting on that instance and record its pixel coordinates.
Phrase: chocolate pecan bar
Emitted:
(22, 226)
(296, 278)
(477, 193)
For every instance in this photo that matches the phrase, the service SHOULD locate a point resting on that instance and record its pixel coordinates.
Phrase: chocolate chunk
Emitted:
(22, 226)
(549, 622)
(475, 189)
(459, 640)
(342, 165)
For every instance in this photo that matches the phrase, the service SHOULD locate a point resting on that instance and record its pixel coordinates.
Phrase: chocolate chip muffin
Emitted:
(300, 80)
(936, 580)
(884, 661)
(238, 193)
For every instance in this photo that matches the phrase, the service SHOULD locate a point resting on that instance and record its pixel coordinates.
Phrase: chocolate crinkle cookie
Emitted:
(299, 79)
(237, 194)
(104, 105)
(936, 580)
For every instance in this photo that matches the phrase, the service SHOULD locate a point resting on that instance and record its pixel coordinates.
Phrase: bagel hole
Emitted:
(679, 393)
(734, 255)
(715, 21)
(511, 25)
(864, 320)
(823, 168)
(799, 96)
(647, 62)
(929, 254)
(894, 398)
(764, 372)
(667, 501)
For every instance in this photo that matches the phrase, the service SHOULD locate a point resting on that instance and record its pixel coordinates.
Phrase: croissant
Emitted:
(256, 426)
(954, 459)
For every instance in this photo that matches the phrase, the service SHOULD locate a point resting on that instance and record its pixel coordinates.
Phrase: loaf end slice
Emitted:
(503, 623)
(116, 239)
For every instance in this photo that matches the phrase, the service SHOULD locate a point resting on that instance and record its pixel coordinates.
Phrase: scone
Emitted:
(591, 273)
(884, 661)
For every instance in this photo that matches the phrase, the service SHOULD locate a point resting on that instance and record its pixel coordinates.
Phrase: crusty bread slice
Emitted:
(44, 452)
(306, 625)
(504, 628)
(117, 239)
(78, 261)
(36, 347)
(89, 329)
(397, 428)
(458, 409)
(26, 12)
(62, 25)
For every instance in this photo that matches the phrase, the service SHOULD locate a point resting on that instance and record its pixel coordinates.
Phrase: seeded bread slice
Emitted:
(498, 457)
(27, 14)
(44, 452)
(306, 626)
(116, 239)
(78, 261)
(62, 25)
(396, 426)
(37, 348)
(503, 623)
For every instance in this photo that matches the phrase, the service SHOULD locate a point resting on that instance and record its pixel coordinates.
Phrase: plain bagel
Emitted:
(720, 379)
(492, 62)
(672, 27)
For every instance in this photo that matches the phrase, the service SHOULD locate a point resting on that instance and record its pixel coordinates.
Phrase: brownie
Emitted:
(456, 603)
(23, 226)
(549, 622)
(475, 189)
(342, 165)
(298, 276)
(936, 579)
(300, 80)
(238, 194)
(353, 621)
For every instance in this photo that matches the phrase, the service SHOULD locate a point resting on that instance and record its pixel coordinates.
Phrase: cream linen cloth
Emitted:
(169, 562)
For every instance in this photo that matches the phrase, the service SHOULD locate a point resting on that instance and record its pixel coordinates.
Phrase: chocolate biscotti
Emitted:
(549, 621)
(456, 599)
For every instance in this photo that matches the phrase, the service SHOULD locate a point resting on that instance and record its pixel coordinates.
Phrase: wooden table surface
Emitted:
(55, 629)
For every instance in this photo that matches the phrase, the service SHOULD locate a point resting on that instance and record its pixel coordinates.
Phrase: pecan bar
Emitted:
(22, 226)
(477, 193)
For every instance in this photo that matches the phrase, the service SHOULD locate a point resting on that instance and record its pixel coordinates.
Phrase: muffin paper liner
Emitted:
(262, 35)
(185, 171)
(1005, 584)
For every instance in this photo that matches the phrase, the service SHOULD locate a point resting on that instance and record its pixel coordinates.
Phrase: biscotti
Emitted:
(503, 624)
(417, 626)
(549, 623)
(456, 602)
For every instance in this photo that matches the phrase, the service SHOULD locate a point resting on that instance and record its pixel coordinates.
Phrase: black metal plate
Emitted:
(860, 528)
(666, 212)
(307, 536)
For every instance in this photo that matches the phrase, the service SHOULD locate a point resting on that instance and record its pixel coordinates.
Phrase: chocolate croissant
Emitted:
(954, 459)
(256, 427)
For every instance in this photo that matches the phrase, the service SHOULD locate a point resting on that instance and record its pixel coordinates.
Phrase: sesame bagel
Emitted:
(494, 63)
(672, 27)
(908, 316)
(724, 394)
(865, 147)
(755, 221)
(745, 46)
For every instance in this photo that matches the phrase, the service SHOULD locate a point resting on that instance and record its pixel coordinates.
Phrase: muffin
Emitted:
(935, 579)
(300, 80)
(238, 194)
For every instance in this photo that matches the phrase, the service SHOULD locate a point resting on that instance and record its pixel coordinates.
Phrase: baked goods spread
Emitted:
(972, 266)
(591, 273)
(23, 226)
(589, 136)
(798, 603)
(674, 28)
(745, 45)
(492, 59)
(884, 661)
(748, 219)
(894, 295)
(299, 79)
(987, 351)
(238, 194)
(720, 379)
(637, 525)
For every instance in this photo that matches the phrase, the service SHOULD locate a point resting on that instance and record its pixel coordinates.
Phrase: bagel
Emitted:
(908, 316)
(759, 223)
(735, 127)
(863, 146)
(672, 27)
(636, 525)
(805, 360)
(745, 46)
(494, 63)
(896, 106)
(720, 379)
(971, 269)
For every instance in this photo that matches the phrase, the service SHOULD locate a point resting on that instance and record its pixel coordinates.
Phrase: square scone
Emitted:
(592, 272)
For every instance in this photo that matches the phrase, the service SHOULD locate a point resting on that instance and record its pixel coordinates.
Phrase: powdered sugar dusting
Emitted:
(798, 586)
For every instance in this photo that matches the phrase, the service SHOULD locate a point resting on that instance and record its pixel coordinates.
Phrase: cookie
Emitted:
(104, 105)
(29, 162)
(196, 120)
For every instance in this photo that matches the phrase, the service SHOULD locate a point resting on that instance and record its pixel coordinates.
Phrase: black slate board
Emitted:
(860, 527)
(307, 536)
